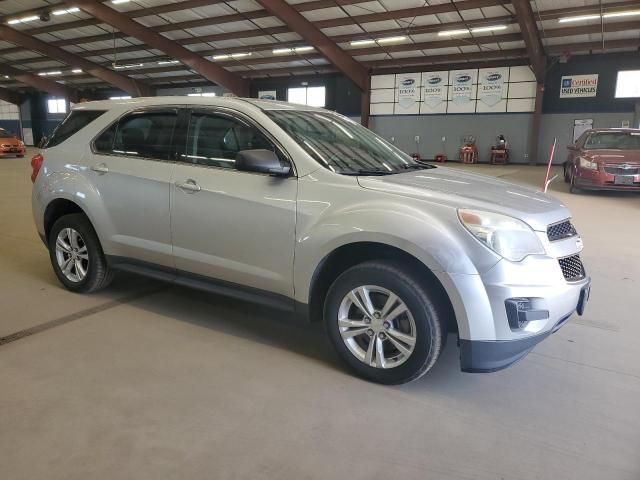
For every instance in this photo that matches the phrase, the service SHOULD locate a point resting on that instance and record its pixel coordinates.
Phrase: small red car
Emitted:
(10, 145)
(604, 159)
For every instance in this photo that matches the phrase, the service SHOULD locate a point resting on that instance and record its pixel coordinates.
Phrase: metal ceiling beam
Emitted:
(41, 83)
(127, 84)
(531, 36)
(209, 70)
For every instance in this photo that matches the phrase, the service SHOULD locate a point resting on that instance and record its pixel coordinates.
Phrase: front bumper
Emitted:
(478, 356)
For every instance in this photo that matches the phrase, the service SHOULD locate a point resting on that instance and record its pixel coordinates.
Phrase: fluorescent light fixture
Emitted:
(628, 13)
(220, 57)
(240, 55)
(6, 76)
(391, 39)
(167, 62)
(63, 11)
(76, 70)
(133, 65)
(46, 74)
(303, 49)
(281, 50)
(579, 18)
(116, 2)
(358, 43)
(30, 18)
(448, 33)
(13, 21)
(488, 29)
(123, 97)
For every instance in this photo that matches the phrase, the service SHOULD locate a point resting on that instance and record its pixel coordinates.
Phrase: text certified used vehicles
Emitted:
(305, 210)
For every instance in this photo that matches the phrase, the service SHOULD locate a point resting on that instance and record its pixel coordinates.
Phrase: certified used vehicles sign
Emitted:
(579, 86)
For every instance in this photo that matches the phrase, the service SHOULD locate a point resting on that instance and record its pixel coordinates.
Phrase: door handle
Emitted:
(100, 168)
(189, 186)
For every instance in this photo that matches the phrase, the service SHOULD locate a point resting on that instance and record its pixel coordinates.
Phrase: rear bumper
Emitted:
(600, 180)
(483, 356)
(6, 152)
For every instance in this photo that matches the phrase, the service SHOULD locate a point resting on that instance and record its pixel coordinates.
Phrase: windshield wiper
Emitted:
(417, 166)
(368, 171)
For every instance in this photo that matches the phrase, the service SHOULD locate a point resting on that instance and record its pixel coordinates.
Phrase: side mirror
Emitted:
(261, 161)
(573, 146)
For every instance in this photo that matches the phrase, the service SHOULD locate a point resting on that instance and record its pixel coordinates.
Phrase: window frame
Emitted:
(177, 109)
(237, 116)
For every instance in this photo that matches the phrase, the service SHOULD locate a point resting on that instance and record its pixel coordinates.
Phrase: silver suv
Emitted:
(305, 210)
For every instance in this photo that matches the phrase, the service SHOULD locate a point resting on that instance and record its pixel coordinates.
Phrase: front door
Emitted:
(131, 169)
(227, 224)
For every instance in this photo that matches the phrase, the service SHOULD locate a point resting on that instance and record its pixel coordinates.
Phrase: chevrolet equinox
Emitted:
(303, 209)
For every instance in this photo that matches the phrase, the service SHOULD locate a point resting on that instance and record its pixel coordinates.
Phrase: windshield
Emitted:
(342, 145)
(613, 141)
(4, 133)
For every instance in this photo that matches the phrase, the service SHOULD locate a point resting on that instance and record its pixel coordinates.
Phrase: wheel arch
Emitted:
(56, 209)
(351, 254)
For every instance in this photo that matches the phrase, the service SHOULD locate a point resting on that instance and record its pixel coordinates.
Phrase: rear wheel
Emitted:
(384, 323)
(567, 175)
(76, 255)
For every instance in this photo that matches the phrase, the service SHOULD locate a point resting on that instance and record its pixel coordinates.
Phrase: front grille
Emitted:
(617, 170)
(572, 268)
(561, 230)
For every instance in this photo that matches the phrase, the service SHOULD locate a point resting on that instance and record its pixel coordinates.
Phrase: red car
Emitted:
(604, 159)
(10, 145)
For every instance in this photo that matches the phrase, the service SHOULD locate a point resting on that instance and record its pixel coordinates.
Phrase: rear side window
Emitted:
(140, 134)
(76, 120)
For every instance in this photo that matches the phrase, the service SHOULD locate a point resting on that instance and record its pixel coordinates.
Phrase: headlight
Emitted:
(584, 163)
(507, 236)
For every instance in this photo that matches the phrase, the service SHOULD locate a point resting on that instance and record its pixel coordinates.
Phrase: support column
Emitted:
(534, 136)
(636, 115)
(365, 107)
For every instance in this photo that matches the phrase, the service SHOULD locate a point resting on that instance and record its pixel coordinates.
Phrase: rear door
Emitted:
(131, 168)
(227, 224)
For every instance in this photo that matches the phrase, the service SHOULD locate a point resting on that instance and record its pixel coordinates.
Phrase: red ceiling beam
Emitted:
(127, 84)
(312, 34)
(209, 70)
(531, 36)
(10, 96)
(41, 83)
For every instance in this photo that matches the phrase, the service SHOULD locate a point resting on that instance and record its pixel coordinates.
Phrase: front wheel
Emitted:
(76, 255)
(384, 323)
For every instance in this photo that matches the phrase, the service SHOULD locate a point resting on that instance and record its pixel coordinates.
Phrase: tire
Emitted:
(572, 183)
(423, 321)
(567, 176)
(88, 252)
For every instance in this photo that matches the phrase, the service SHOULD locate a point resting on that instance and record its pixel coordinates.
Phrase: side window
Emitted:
(74, 122)
(145, 135)
(215, 140)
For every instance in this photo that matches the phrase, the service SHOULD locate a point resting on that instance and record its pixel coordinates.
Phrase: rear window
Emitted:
(76, 120)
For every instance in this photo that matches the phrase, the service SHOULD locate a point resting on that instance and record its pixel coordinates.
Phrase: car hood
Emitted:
(613, 156)
(461, 189)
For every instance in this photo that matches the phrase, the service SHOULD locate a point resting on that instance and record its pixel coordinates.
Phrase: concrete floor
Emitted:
(147, 381)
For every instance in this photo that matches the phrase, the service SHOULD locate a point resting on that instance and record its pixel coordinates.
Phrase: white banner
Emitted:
(579, 86)
(462, 87)
(408, 92)
(491, 87)
(434, 88)
(267, 95)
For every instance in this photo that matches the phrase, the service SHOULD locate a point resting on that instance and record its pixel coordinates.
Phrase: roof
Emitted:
(244, 38)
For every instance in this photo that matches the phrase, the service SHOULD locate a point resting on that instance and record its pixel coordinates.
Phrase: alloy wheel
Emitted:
(72, 255)
(377, 326)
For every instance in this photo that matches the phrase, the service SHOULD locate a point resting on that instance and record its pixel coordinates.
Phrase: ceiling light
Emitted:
(13, 21)
(578, 18)
(76, 70)
(116, 2)
(357, 43)
(240, 55)
(220, 57)
(303, 49)
(46, 74)
(6, 76)
(488, 29)
(282, 50)
(63, 11)
(133, 65)
(391, 39)
(447, 33)
(628, 13)
(167, 62)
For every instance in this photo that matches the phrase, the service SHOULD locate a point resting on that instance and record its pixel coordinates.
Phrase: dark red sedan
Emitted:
(604, 159)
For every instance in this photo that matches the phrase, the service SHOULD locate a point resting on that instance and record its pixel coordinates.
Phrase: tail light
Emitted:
(36, 164)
